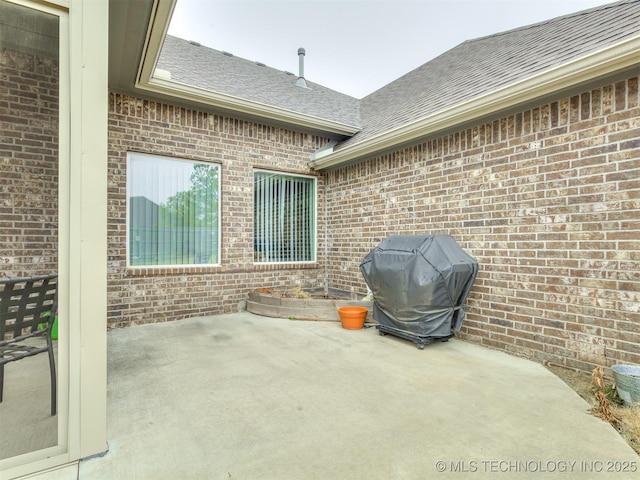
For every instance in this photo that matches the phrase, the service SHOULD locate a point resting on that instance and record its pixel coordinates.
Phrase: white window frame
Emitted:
(313, 232)
(128, 219)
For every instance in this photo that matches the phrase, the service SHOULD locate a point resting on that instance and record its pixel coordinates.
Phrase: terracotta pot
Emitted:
(352, 318)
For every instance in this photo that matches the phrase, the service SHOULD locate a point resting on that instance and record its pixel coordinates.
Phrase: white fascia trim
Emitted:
(147, 80)
(161, 14)
(243, 106)
(598, 64)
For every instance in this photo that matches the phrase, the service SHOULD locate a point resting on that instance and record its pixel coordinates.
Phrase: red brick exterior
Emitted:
(138, 296)
(28, 164)
(547, 200)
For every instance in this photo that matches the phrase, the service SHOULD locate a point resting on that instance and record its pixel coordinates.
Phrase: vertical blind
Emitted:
(284, 218)
(173, 211)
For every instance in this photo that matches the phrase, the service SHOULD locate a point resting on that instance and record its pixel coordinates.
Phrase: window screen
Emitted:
(284, 218)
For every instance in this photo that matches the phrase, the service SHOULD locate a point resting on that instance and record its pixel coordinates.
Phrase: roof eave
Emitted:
(245, 107)
(602, 63)
(147, 81)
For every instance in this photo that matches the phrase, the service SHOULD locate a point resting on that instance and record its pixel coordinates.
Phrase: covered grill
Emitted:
(420, 284)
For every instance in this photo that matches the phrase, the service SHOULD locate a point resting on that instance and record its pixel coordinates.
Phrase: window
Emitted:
(284, 215)
(173, 211)
(38, 176)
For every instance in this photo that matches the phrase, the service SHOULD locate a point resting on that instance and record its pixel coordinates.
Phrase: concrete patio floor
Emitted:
(241, 396)
(26, 423)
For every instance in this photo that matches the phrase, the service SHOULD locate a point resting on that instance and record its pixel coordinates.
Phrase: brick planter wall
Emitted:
(28, 164)
(547, 200)
(145, 295)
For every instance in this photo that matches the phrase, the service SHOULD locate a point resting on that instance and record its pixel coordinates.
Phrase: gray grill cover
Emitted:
(419, 283)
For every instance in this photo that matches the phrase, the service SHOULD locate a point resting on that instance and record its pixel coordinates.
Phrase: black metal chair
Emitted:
(28, 308)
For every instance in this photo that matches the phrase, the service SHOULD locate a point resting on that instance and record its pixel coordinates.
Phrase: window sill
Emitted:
(212, 269)
(284, 266)
(177, 270)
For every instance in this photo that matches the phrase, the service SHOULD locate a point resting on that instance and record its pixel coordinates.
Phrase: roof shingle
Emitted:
(480, 66)
(217, 71)
(472, 69)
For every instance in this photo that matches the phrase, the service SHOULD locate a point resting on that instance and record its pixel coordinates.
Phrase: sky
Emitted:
(354, 46)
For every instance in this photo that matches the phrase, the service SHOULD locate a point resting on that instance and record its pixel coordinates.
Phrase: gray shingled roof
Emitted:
(217, 71)
(484, 65)
(472, 69)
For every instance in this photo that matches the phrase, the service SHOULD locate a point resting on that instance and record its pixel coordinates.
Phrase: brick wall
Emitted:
(28, 164)
(145, 295)
(547, 200)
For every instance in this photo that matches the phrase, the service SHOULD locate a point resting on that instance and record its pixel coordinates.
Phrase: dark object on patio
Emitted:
(420, 285)
(27, 311)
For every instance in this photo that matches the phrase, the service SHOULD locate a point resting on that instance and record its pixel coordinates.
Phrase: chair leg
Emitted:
(1, 381)
(52, 368)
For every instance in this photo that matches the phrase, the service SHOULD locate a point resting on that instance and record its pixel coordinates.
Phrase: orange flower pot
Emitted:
(352, 318)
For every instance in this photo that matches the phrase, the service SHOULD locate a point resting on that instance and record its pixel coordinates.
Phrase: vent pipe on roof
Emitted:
(301, 81)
